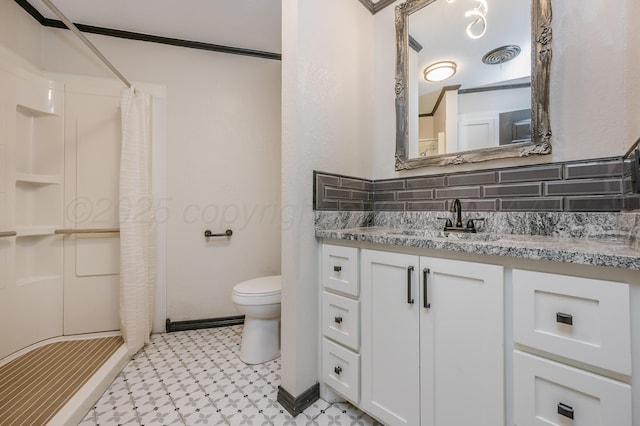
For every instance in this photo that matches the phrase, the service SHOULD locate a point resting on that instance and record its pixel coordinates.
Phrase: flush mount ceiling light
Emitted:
(501, 54)
(440, 71)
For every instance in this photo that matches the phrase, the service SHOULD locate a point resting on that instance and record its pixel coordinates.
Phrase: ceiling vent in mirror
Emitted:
(501, 55)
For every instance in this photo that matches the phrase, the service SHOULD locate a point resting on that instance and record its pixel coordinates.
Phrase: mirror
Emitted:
(496, 103)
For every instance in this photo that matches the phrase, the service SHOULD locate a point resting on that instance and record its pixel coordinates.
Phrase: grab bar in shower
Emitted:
(87, 231)
(226, 233)
(8, 234)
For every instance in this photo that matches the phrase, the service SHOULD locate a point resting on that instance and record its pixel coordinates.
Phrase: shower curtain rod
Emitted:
(85, 40)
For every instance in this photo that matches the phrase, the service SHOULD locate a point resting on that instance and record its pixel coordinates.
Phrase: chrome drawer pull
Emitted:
(564, 318)
(565, 410)
(337, 370)
(338, 320)
(337, 268)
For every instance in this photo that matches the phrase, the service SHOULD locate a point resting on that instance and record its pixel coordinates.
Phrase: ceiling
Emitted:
(440, 28)
(245, 24)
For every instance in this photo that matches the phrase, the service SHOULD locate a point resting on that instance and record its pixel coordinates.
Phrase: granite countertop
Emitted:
(619, 252)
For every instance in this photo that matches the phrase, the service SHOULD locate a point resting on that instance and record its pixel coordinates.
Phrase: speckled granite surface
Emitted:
(603, 239)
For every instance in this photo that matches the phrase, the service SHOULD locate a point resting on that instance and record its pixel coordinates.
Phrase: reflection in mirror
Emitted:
(464, 86)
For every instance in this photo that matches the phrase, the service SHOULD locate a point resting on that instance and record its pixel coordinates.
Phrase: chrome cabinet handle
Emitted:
(409, 276)
(564, 318)
(425, 287)
(337, 320)
(337, 268)
(565, 410)
(337, 370)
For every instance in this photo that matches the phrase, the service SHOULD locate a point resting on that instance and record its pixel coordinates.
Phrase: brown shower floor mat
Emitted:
(36, 385)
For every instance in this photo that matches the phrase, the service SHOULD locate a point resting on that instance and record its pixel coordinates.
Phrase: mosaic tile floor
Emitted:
(196, 378)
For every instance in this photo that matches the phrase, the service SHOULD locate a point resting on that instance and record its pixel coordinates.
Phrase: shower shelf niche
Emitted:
(38, 205)
(39, 143)
(39, 169)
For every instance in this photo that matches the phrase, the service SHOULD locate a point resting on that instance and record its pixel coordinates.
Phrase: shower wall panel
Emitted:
(92, 164)
(31, 197)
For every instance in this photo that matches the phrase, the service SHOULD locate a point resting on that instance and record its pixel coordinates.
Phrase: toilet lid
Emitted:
(262, 285)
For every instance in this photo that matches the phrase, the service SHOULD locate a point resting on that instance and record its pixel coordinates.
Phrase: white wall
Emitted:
(223, 161)
(327, 125)
(20, 33)
(632, 73)
(595, 91)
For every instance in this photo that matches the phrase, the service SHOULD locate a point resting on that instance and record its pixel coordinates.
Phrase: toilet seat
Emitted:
(258, 291)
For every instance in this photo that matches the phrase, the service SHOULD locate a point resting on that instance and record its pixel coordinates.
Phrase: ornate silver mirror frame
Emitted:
(540, 64)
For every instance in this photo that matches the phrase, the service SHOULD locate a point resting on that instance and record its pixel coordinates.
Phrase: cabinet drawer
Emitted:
(340, 269)
(549, 393)
(341, 370)
(582, 319)
(341, 319)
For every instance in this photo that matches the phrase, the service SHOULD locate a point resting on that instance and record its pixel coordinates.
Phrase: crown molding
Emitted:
(376, 7)
(129, 35)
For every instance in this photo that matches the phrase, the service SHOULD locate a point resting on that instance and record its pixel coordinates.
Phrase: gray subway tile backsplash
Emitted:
(593, 204)
(472, 179)
(530, 174)
(384, 196)
(351, 205)
(415, 195)
(632, 202)
(360, 195)
(593, 170)
(342, 194)
(479, 205)
(389, 206)
(594, 185)
(514, 190)
(383, 185)
(351, 183)
(324, 204)
(465, 192)
(426, 182)
(426, 205)
(534, 204)
(584, 186)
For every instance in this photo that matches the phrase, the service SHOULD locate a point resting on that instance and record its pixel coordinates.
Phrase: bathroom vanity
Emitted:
(423, 327)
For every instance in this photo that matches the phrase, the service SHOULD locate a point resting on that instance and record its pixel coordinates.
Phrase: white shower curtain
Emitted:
(137, 222)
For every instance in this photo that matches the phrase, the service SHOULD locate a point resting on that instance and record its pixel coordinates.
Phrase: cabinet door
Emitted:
(461, 335)
(390, 337)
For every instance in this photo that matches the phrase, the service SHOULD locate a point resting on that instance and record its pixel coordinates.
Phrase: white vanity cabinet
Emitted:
(420, 341)
(432, 340)
(584, 324)
(341, 320)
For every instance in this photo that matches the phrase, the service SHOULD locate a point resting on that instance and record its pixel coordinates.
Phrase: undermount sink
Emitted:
(462, 236)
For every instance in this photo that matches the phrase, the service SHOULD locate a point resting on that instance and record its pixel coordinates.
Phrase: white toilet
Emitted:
(259, 300)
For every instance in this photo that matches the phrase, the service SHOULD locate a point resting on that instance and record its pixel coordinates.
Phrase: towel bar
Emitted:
(226, 233)
(8, 234)
(87, 231)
